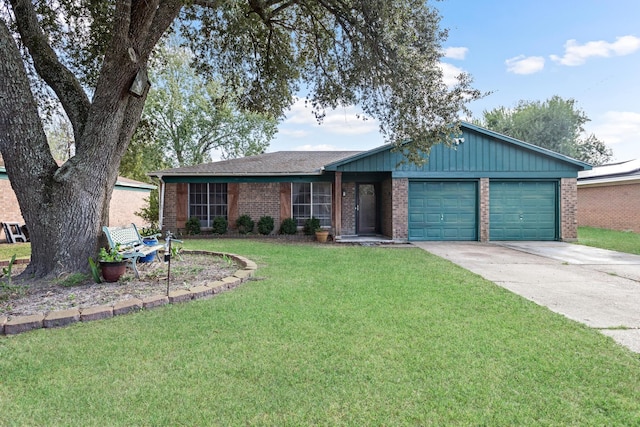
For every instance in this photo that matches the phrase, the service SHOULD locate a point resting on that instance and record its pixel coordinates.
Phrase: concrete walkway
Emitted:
(593, 286)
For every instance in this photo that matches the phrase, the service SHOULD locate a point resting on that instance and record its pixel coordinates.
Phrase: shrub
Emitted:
(265, 225)
(288, 226)
(245, 224)
(310, 226)
(219, 225)
(192, 226)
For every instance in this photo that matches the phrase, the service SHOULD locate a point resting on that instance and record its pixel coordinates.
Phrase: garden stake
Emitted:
(167, 256)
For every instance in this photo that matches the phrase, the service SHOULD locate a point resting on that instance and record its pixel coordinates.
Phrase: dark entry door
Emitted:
(367, 209)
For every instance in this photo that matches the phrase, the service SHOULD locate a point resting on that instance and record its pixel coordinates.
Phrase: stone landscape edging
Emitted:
(59, 318)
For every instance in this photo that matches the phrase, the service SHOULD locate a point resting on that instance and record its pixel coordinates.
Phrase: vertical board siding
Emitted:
(478, 153)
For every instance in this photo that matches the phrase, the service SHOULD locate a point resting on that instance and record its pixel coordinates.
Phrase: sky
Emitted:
(586, 50)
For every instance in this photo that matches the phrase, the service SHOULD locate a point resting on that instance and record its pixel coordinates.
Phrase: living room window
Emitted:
(311, 199)
(207, 201)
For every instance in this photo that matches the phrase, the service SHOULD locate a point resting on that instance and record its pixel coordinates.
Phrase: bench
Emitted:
(13, 232)
(130, 244)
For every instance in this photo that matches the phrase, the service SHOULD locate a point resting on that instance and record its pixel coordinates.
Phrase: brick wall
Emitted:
(258, 200)
(9, 209)
(484, 209)
(348, 208)
(124, 205)
(616, 207)
(568, 209)
(170, 202)
(400, 203)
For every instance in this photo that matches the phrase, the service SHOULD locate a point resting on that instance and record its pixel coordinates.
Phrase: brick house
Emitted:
(609, 196)
(487, 187)
(127, 198)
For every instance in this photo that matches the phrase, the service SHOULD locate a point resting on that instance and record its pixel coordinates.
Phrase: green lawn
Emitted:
(20, 250)
(621, 241)
(329, 335)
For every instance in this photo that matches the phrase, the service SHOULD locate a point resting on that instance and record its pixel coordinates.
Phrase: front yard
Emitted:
(328, 335)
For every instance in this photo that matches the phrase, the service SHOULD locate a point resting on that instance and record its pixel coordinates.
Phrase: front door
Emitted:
(366, 209)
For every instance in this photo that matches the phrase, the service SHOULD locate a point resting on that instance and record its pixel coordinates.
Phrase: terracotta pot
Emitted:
(321, 236)
(112, 271)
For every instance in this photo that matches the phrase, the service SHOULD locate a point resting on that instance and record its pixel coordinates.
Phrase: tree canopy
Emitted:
(93, 55)
(556, 124)
(193, 118)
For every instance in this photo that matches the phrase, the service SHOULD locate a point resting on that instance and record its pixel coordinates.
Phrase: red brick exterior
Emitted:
(124, 205)
(400, 203)
(9, 209)
(614, 206)
(484, 209)
(258, 200)
(568, 209)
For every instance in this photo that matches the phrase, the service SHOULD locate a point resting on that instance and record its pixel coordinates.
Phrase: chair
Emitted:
(13, 232)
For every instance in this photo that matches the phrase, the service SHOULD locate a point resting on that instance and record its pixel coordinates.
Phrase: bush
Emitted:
(192, 226)
(265, 225)
(245, 224)
(288, 226)
(219, 225)
(310, 226)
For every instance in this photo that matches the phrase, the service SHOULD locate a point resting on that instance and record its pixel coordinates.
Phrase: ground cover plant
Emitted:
(622, 241)
(327, 335)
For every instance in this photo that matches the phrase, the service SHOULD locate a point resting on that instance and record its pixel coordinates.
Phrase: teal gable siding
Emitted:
(481, 154)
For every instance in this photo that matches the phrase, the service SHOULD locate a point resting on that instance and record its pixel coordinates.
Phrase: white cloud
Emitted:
(455, 52)
(341, 121)
(449, 73)
(525, 64)
(576, 54)
(615, 127)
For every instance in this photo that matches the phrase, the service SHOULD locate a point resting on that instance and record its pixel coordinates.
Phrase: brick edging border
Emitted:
(60, 318)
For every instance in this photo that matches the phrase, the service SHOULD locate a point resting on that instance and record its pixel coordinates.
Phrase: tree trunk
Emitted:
(65, 207)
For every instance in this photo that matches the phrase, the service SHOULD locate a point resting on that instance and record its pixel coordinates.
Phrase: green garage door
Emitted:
(523, 210)
(443, 210)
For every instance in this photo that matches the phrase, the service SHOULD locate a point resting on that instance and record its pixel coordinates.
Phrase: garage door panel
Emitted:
(448, 209)
(523, 210)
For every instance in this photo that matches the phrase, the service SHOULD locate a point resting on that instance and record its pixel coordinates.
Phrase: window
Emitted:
(207, 201)
(311, 200)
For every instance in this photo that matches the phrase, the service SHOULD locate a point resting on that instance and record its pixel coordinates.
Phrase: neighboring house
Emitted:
(128, 198)
(488, 187)
(609, 196)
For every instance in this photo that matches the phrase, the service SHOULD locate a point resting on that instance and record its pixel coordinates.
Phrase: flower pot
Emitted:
(321, 236)
(112, 271)
(149, 241)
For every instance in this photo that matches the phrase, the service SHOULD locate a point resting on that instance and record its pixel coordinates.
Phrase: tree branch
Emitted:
(63, 82)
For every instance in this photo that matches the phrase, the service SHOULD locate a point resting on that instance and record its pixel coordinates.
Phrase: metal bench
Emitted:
(131, 245)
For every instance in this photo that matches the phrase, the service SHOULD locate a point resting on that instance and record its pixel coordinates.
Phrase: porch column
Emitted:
(337, 203)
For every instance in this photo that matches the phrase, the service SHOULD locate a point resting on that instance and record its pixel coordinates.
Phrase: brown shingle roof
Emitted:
(278, 163)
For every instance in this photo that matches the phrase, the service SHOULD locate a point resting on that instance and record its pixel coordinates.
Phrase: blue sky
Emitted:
(588, 50)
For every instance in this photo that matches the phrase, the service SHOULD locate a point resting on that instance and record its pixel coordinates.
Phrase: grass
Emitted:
(622, 241)
(21, 250)
(330, 335)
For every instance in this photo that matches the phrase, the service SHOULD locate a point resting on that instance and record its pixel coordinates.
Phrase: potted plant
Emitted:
(150, 238)
(312, 226)
(112, 264)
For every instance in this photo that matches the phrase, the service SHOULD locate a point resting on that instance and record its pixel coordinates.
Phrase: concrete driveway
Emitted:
(593, 286)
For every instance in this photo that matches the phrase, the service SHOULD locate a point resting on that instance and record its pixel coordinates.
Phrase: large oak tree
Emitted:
(380, 54)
